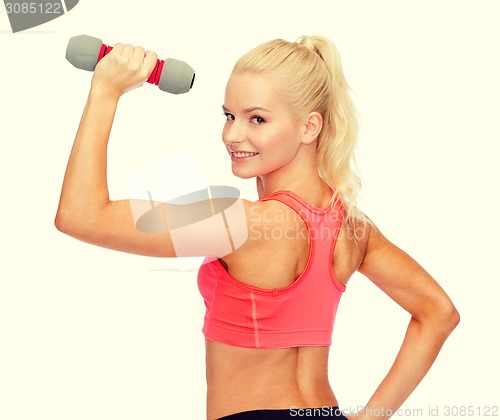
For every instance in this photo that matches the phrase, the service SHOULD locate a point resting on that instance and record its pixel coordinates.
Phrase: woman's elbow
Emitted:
(69, 224)
(453, 318)
(446, 316)
(61, 222)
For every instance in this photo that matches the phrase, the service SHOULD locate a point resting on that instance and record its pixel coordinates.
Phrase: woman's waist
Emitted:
(240, 379)
(275, 388)
(237, 396)
(305, 364)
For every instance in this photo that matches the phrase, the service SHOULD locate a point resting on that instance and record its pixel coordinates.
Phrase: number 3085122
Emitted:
(32, 8)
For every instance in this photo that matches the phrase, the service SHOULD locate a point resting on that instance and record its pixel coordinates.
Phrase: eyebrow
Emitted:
(249, 110)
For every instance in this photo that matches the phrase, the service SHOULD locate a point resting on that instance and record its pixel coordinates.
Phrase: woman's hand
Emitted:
(124, 68)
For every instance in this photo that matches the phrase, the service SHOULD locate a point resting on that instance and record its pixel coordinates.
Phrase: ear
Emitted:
(312, 127)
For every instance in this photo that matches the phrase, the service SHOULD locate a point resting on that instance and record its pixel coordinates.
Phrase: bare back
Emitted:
(241, 379)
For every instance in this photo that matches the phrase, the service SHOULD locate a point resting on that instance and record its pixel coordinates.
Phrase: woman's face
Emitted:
(260, 132)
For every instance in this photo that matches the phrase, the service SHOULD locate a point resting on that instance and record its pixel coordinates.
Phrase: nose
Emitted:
(232, 134)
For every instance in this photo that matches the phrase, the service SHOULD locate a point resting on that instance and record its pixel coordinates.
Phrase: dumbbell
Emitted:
(170, 75)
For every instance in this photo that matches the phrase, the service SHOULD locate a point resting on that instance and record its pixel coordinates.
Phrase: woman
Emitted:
(271, 296)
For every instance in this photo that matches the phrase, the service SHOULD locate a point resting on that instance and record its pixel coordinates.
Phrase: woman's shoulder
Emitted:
(354, 238)
(269, 215)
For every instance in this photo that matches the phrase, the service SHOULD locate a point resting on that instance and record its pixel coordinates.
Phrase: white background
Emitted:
(89, 333)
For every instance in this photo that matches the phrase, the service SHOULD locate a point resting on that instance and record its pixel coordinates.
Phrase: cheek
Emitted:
(281, 143)
(272, 139)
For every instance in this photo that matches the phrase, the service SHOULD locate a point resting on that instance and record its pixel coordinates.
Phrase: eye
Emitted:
(229, 117)
(257, 120)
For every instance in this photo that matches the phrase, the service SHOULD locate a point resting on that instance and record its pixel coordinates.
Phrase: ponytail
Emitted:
(337, 142)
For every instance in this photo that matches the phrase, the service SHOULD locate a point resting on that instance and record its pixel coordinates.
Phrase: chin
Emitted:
(242, 173)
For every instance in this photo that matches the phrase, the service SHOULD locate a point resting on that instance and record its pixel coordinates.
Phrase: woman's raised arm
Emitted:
(85, 210)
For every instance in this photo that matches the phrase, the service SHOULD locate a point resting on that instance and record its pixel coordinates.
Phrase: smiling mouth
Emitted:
(243, 154)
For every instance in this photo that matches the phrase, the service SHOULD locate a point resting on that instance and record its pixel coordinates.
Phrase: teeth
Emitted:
(243, 154)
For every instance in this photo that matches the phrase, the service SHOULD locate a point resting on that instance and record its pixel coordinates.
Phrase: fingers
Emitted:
(118, 48)
(125, 68)
(138, 54)
(150, 60)
(127, 51)
(142, 61)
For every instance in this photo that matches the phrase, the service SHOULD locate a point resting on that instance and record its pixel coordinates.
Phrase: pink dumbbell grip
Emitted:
(154, 77)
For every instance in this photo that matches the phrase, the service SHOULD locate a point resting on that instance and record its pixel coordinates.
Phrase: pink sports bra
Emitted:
(301, 314)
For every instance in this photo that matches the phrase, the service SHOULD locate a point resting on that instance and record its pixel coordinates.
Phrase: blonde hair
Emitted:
(312, 79)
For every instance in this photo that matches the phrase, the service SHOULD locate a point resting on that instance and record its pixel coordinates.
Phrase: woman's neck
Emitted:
(306, 183)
